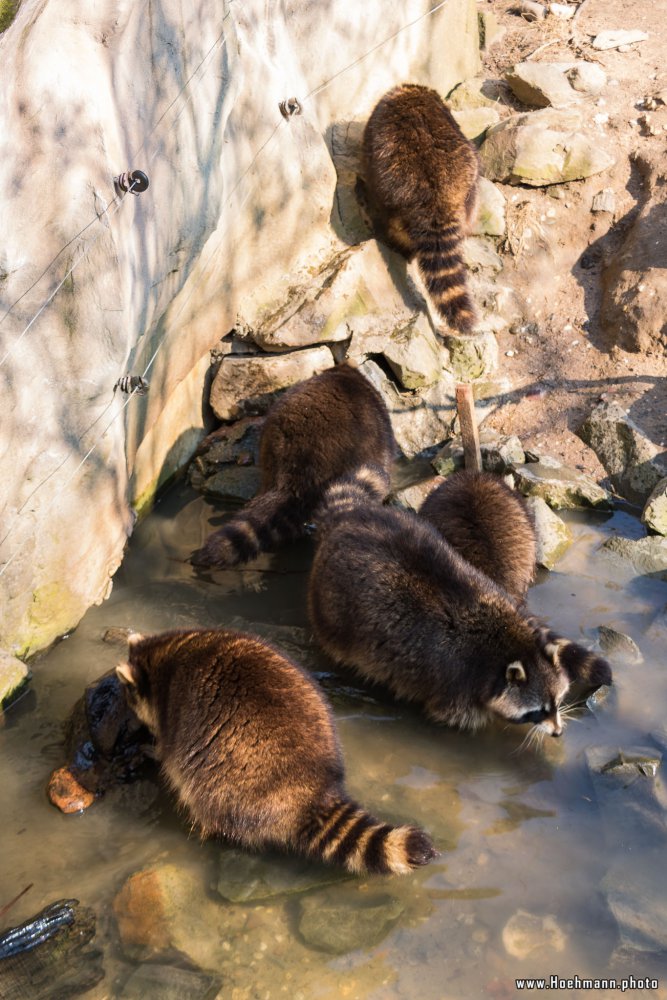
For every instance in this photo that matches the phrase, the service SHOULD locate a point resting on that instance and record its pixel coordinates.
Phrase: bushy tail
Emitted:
(368, 484)
(345, 834)
(441, 265)
(265, 522)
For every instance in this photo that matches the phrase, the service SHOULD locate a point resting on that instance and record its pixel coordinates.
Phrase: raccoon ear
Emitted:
(553, 648)
(126, 674)
(515, 673)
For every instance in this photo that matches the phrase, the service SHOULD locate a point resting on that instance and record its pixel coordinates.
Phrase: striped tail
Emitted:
(368, 485)
(345, 834)
(441, 266)
(268, 520)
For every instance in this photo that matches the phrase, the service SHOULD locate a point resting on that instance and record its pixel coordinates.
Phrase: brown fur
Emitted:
(421, 186)
(488, 523)
(389, 597)
(319, 430)
(249, 746)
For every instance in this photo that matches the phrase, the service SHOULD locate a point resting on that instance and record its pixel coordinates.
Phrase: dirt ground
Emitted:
(560, 370)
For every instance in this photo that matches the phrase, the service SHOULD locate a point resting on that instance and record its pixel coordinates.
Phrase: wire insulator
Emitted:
(134, 181)
(290, 107)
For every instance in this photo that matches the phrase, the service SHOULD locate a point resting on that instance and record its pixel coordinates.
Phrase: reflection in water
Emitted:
(518, 832)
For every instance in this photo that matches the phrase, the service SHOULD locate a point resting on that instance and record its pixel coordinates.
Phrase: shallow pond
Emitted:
(518, 829)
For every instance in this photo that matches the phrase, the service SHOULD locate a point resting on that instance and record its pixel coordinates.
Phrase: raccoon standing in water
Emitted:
(318, 431)
(246, 741)
(489, 524)
(421, 182)
(389, 597)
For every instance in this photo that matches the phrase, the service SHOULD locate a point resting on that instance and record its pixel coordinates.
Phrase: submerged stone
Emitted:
(246, 878)
(168, 982)
(641, 556)
(637, 898)
(67, 794)
(629, 800)
(560, 486)
(553, 535)
(526, 932)
(618, 645)
(338, 924)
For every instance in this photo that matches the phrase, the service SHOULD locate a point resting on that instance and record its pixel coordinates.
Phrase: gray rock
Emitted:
(634, 283)
(475, 122)
(410, 348)
(526, 932)
(553, 535)
(587, 77)
(472, 356)
(604, 201)
(637, 897)
(336, 923)
(629, 800)
(169, 982)
(618, 645)
(532, 149)
(418, 421)
(500, 453)
(602, 700)
(246, 878)
(641, 556)
(225, 465)
(541, 85)
(654, 515)
(232, 482)
(611, 39)
(470, 94)
(560, 486)
(634, 464)
(248, 385)
(14, 675)
(491, 220)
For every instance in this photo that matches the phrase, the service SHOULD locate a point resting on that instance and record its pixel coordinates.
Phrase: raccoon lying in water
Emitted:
(319, 430)
(488, 523)
(246, 741)
(421, 185)
(389, 597)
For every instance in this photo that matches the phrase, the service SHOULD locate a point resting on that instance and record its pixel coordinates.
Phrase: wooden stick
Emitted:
(465, 404)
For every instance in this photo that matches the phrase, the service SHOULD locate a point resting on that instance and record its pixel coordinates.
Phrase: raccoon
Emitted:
(489, 524)
(390, 598)
(315, 433)
(248, 745)
(421, 177)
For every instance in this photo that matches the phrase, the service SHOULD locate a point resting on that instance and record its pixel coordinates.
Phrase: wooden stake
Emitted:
(465, 405)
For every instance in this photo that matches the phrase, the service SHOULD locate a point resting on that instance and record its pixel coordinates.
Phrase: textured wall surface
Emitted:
(240, 201)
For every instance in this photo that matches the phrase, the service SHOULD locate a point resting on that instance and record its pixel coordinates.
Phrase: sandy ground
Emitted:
(558, 372)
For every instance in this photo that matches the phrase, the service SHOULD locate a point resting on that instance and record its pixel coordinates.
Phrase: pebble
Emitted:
(621, 39)
(510, 354)
(67, 794)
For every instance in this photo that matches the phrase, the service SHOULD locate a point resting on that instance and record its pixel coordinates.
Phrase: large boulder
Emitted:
(239, 209)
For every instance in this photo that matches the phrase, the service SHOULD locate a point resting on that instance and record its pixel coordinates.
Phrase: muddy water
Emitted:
(518, 830)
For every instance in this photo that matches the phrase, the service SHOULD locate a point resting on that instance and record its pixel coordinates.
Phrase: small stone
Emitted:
(510, 354)
(245, 878)
(642, 556)
(233, 482)
(67, 794)
(604, 201)
(628, 796)
(614, 39)
(526, 932)
(599, 701)
(472, 356)
(169, 982)
(654, 515)
(475, 122)
(562, 11)
(560, 486)
(529, 10)
(540, 85)
(14, 675)
(553, 535)
(587, 77)
(618, 645)
(341, 923)
(117, 635)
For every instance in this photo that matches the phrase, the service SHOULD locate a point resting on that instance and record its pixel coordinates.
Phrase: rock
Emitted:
(164, 913)
(480, 255)
(341, 923)
(475, 122)
(473, 356)
(553, 535)
(604, 201)
(654, 515)
(528, 149)
(601, 700)
(117, 635)
(168, 982)
(618, 645)
(418, 421)
(411, 349)
(630, 802)
(237, 443)
(14, 675)
(540, 85)
(529, 10)
(250, 384)
(586, 77)
(634, 283)
(470, 94)
(412, 497)
(67, 794)
(233, 482)
(634, 464)
(500, 453)
(562, 11)
(526, 932)
(613, 39)
(637, 897)
(247, 878)
(491, 220)
(643, 556)
(50, 955)
(560, 486)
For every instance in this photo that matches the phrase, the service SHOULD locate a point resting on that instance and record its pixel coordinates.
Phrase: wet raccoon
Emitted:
(319, 430)
(489, 524)
(421, 186)
(247, 743)
(390, 598)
